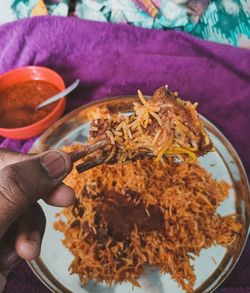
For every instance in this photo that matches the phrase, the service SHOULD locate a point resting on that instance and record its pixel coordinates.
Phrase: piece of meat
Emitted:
(165, 127)
(172, 107)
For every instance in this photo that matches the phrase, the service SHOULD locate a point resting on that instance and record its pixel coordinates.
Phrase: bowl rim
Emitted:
(50, 114)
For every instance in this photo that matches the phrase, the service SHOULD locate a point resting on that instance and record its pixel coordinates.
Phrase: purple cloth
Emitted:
(118, 59)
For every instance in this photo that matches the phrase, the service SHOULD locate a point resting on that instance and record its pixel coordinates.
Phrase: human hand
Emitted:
(23, 180)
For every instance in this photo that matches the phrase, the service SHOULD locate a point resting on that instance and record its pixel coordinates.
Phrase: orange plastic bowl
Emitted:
(24, 74)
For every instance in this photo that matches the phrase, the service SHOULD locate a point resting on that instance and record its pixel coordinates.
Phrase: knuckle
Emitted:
(12, 185)
(10, 171)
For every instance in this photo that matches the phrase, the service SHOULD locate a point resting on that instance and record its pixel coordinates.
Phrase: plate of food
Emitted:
(162, 200)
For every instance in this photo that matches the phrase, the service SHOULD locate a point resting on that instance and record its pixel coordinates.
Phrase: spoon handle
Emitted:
(59, 95)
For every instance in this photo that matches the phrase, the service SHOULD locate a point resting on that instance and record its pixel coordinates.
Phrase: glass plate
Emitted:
(211, 267)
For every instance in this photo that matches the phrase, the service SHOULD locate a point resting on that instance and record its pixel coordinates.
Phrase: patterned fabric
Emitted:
(224, 21)
(159, 14)
(227, 22)
(156, 14)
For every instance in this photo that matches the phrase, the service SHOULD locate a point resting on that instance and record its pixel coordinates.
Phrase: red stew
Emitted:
(18, 103)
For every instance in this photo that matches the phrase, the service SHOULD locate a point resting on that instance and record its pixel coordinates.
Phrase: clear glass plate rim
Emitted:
(39, 268)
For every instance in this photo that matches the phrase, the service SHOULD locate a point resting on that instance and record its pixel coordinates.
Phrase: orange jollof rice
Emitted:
(187, 197)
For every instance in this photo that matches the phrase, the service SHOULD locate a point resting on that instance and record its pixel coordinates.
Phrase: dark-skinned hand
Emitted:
(24, 179)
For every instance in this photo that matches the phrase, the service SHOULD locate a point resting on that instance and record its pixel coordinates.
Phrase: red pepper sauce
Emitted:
(18, 103)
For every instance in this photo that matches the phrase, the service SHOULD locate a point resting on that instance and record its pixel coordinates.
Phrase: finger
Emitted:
(2, 282)
(62, 196)
(23, 183)
(8, 157)
(30, 233)
(9, 259)
(8, 255)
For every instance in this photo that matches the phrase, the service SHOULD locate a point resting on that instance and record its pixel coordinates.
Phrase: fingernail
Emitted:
(54, 164)
(2, 282)
(34, 237)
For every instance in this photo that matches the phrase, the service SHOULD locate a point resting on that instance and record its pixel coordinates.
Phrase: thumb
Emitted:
(23, 183)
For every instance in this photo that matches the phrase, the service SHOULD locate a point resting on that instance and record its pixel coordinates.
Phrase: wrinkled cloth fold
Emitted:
(119, 59)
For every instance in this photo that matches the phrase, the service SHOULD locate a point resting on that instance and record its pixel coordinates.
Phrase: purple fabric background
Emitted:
(118, 59)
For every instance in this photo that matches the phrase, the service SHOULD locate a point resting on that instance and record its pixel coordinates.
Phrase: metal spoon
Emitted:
(59, 95)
